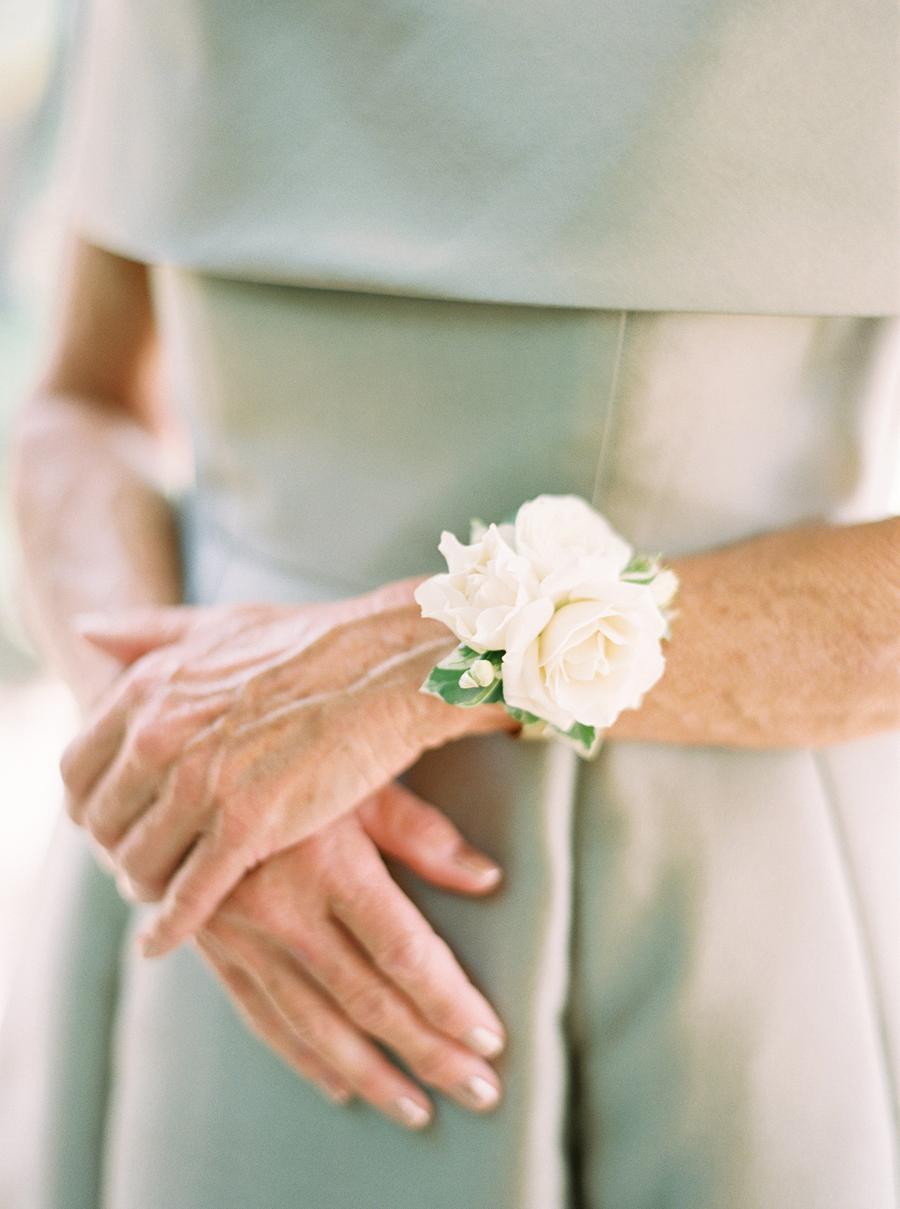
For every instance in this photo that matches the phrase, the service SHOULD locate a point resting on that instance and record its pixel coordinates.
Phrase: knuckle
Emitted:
(446, 1015)
(148, 891)
(105, 832)
(137, 687)
(185, 898)
(146, 675)
(407, 955)
(308, 1030)
(149, 743)
(184, 901)
(436, 1063)
(432, 831)
(129, 858)
(234, 828)
(370, 1006)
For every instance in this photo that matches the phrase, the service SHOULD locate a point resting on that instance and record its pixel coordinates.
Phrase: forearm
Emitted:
(790, 639)
(95, 529)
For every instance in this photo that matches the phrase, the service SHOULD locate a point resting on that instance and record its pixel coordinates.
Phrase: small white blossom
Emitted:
(483, 672)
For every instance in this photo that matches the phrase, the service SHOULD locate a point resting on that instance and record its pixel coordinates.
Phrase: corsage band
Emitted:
(556, 617)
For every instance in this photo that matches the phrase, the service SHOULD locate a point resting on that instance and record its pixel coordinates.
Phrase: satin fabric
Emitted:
(694, 949)
(704, 155)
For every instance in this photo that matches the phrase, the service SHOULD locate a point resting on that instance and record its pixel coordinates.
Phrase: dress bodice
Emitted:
(336, 433)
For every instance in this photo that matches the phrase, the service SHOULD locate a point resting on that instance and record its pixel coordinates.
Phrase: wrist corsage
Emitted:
(556, 616)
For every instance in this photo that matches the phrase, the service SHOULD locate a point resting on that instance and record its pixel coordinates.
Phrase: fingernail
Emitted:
(412, 1113)
(483, 867)
(479, 1092)
(484, 1041)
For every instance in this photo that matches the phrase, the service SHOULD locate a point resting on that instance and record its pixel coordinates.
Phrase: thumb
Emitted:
(404, 826)
(127, 634)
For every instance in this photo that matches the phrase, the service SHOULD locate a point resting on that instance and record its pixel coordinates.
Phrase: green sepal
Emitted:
(443, 682)
(522, 715)
(642, 568)
(443, 679)
(584, 738)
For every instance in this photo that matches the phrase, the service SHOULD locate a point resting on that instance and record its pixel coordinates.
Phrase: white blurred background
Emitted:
(36, 713)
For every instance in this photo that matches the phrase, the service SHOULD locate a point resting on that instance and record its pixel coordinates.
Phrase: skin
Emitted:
(791, 639)
(96, 533)
(247, 729)
(212, 751)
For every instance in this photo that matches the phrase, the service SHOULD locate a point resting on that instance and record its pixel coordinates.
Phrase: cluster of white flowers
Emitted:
(577, 618)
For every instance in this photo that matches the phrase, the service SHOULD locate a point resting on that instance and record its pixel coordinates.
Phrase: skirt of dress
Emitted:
(694, 949)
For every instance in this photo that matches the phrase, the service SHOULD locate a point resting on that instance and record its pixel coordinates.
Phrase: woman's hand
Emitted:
(325, 955)
(239, 730)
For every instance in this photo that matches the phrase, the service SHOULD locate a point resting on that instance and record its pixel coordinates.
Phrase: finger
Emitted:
(407, 950)
(128, 634)
(264, 1020)
(154, 846)
(423, 838)
(86, 757)
(160, 758)
(208, 875)
(324, 1030)
(381, 1011)
(122, 792)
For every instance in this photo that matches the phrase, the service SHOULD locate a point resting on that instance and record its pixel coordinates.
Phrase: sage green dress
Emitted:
(416, 262)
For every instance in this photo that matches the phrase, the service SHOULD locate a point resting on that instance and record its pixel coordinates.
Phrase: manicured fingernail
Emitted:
(483, 867)
(412, 1113)
(484, 1041)
(479, 1092)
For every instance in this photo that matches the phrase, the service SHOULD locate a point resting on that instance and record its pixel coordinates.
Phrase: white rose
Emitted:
(571, 547)
(591, 660)
(487, 586)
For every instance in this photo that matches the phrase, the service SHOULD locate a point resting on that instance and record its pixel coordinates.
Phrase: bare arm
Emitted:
(97, 533)
(790, 639)
(95, 528)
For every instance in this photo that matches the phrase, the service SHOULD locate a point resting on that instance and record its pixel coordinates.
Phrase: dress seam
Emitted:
(612, 399)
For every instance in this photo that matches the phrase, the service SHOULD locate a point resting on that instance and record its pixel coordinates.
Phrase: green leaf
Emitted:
(466, 653)
(642, 568)
(459, 658)
(444, 683)
(582, 735)
(522, 715)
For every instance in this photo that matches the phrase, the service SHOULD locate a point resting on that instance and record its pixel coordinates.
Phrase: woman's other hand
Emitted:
(324, 955)
(234, 732)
